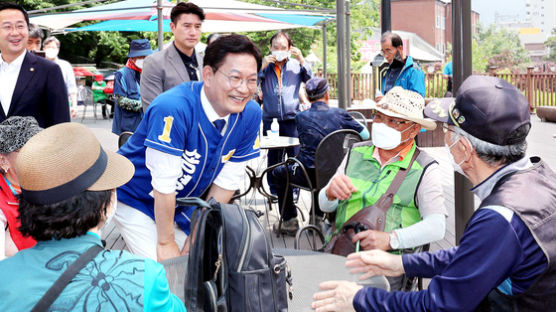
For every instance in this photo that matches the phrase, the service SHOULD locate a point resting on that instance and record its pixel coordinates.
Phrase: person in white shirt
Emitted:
(51, 49)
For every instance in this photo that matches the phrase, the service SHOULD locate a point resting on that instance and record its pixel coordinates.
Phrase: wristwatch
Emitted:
(394, 242)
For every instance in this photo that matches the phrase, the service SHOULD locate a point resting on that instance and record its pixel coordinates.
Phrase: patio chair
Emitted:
(359, 117)
(86, 94)
(328, 156)
(124, 136)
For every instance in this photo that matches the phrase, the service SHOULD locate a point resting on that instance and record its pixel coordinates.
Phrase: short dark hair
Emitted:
(186, 8)
(230, 44)
(13, 6)
(35, 31)
(283, 34)
(393, 37)
(66, 219)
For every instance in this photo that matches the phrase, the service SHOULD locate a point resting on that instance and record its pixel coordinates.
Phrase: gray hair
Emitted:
(51, 39)
(35, 31)
(496, 155)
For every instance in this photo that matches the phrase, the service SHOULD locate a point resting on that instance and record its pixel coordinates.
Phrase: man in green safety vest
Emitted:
(417, 215)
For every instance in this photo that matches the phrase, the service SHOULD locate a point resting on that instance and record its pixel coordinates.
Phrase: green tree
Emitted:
(364, 15)
(551, 45)
(498, 47)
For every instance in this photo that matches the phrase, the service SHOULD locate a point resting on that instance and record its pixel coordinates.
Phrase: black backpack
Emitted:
(231, 266)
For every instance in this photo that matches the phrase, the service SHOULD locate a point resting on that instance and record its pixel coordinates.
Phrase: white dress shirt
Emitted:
(8, 79)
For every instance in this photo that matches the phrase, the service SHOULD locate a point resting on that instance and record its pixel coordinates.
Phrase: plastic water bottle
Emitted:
(274, 127)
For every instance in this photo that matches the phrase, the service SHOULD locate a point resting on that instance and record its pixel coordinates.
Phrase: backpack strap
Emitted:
(56, 289)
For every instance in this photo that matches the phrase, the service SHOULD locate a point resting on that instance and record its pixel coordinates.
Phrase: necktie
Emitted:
(219, 124)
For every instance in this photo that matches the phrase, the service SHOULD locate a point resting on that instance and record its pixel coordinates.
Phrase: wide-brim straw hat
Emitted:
(405, 104)
(65, 160)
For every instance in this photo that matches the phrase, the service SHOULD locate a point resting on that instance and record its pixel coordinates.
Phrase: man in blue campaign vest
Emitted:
(402, 71)
(128, 111)
(194, 138)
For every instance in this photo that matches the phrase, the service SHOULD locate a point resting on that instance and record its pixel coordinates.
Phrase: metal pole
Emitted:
(324, 43)
(341, 46)
(348, 55)
(385, 16)
(462, 63)
(160, 25)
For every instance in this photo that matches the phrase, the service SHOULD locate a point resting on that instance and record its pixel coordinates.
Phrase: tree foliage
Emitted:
(500, 48)
(551, 45)
(104, 48)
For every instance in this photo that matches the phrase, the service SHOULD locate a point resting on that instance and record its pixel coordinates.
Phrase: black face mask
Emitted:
(398, 61)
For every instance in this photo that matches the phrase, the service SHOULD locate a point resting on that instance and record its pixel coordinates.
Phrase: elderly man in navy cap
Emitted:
(505, 258)
(312, 125)
(128, 112)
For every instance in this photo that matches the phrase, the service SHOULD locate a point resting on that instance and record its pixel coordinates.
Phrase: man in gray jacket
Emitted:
(179, 62)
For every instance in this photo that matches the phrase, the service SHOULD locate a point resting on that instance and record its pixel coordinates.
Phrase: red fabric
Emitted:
(131, 65)
(9, 206)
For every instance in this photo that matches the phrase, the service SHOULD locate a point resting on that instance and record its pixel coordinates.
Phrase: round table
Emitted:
(310, 268)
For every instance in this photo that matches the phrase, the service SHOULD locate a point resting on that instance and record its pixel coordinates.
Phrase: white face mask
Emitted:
(457, 166)
(281, 55)
(386, 137)
(51, 53)
(139, 63)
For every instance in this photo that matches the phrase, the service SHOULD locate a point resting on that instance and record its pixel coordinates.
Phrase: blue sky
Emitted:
(488, 8)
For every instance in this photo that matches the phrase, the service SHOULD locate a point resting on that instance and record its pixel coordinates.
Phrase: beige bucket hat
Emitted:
(405, 104)
(66, 159)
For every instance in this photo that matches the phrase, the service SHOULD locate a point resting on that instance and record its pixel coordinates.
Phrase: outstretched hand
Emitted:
(335, 296)
(375, 262)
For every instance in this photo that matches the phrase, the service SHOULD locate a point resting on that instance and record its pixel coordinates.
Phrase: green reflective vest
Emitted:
(372, 181)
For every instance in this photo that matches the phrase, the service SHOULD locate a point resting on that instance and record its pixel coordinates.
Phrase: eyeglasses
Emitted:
(377, 117)
(236, 82)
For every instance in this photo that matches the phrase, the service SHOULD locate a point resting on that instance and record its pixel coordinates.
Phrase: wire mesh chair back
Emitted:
(330, 152)
(359, 117)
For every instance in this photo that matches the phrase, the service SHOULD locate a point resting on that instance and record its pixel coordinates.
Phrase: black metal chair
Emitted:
(124, 136)
(86, 95)
(328, 156)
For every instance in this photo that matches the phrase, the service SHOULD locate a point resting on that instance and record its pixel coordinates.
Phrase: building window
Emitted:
(442, 22)
(438, 21)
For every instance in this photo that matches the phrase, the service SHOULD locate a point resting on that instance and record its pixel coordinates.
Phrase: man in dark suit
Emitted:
(31, 85)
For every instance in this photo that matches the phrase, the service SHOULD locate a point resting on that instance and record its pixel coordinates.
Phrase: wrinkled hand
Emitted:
(373, 240)
(340, 188)
(336, 296)
(378, 98)
(167, 251)
(297, 54)
(375, 262)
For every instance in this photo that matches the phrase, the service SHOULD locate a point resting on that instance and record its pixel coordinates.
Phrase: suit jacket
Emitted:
(164, 70)
(40, 92)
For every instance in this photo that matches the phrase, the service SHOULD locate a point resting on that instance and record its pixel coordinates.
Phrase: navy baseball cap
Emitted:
(316, 88)
(488, 108)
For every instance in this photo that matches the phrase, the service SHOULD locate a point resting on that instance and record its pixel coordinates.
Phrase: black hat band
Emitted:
(70, 188)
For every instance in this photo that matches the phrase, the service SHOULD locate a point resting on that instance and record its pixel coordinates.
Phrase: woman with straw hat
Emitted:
(14, 133)
(68, 193)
